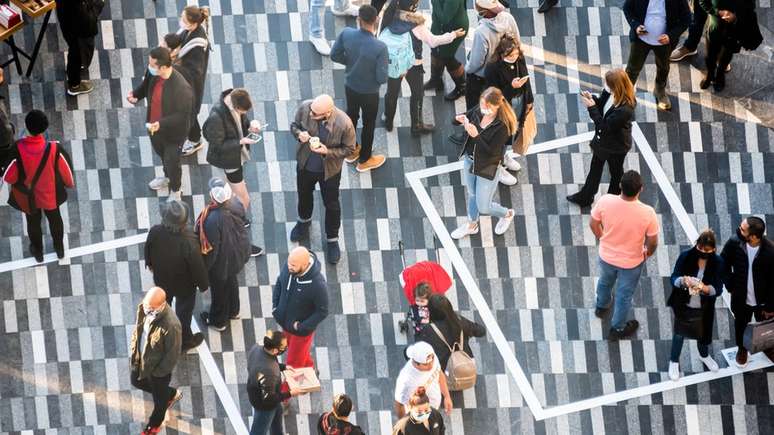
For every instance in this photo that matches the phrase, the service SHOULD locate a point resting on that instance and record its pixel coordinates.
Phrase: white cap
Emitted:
(220, 191)
(420, 352)
(487, 4)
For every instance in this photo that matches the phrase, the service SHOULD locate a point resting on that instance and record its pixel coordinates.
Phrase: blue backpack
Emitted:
(400, 52)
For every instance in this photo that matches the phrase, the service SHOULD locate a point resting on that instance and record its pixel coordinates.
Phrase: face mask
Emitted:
(420, 417)
(150, 312)
(486, 112)
(704, 255)
(153, 71)
(507, 60)
(740, 235)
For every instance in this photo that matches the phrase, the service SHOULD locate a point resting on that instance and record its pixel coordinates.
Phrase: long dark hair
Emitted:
(507, 44)
(441, 309)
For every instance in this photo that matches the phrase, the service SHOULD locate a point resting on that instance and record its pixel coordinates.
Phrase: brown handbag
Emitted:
(526, 136)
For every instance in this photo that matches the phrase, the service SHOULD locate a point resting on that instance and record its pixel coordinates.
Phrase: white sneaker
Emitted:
(674, 370)
(504, 223)
(173, 196)
(464, 231)
(506, 177)
(158, 183)
(321, 45)
(710, 363)
(190, 147)
(509, 160)
(350, 11)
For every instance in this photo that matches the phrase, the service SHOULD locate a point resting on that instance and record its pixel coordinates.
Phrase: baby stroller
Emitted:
(424, 271)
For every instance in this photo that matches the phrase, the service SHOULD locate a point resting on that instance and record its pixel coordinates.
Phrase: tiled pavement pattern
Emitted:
(65, 327)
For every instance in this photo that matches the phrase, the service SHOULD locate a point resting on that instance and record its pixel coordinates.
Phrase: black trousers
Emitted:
(369, 105)
(414, 79)
(225, 299)
(591, 185)
(160, 390)
(170, 159)
(80, 51)
(720, 50)
(742, 317)
(474, 87)
(184, 309)
(638, 53)
(55, 225)
(696, 29)
(329, 189)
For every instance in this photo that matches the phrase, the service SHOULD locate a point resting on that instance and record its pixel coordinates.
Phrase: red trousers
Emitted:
(299, 350)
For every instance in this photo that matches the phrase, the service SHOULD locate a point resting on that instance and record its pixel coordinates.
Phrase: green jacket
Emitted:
(162, 348)
(449, 15)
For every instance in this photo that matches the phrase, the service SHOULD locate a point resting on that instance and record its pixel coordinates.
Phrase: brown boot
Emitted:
(741, 357)
(352, 158)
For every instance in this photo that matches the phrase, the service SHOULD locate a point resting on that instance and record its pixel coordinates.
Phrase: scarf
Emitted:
(206, 247)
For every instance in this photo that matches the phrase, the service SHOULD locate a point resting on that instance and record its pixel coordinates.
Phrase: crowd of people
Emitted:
(495, 130)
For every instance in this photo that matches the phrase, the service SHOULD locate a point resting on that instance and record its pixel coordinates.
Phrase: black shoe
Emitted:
(388, 124)
(195, 341)
(59, 249)
(333, 253)
(705, 82)
(601, 312)
(421, 128)
(455, 93)
(720, 82)
(299, 232)
(576, 199)
(37, 253)
(255, 251)
(629, 329)
(434, 83)
(546, 5)
(205, 316)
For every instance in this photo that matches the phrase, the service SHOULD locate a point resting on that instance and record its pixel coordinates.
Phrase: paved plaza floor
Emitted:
(64, 366)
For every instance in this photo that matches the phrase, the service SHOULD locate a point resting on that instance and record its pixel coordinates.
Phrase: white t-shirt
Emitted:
(655, 22)
(410, 378)
(751, 252)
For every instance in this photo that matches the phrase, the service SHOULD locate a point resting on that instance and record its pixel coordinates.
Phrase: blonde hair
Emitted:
(494, 97)
(621, 87)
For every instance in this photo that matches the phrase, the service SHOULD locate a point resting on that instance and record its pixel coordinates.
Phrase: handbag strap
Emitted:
(39, 170)
(440, 335)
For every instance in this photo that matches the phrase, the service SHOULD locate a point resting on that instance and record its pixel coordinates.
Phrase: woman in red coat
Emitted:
(48, 192)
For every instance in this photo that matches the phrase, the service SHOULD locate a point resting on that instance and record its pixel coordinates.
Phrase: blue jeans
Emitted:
(316, 11)
(625, 281)
(480, 194)
(263, 421)
(677, 347)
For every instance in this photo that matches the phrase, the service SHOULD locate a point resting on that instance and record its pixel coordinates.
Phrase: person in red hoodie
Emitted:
(50, 164)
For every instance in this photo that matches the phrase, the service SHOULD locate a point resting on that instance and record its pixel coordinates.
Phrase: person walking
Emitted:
(79, 23)
(340, 8)
(487, 129)
(421, 370)
(690, 46)
(401, 18)
(627, 231)
(613, 135)
(264, 384)
(493, 22)
(749, 270)
(38, 174)
(191, 60)
(336, 421)
(172, 254)
(422, 418)
(299, 304)
(732, 26)
(655, 25)
(168, 118)
(230, 135)
(225, 243)
(366, 59)
(154, 350)
(447, 16)
(325, 136)
(697, 281)
(446, 327)
(7, 130)
(508, 72)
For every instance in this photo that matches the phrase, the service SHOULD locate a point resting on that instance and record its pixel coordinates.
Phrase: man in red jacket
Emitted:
(50, 164)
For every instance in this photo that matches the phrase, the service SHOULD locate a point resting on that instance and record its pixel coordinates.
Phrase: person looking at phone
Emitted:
(655, 26)
(230, 135)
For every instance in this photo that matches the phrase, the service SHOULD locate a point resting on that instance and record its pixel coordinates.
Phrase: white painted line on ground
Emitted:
(509, 358)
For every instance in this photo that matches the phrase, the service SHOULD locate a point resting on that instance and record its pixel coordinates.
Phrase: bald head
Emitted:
(322, 107)
(298, 260)
(154, 298)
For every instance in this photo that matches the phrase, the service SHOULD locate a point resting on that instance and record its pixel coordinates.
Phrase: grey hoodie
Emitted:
(485, 40)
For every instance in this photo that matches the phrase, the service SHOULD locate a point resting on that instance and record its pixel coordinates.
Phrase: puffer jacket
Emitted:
(220, 130)
(163, 345)
(485, 41)
(302, 298)
(263, 380)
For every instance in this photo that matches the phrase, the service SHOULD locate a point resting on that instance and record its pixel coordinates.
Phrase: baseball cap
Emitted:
(419, 352)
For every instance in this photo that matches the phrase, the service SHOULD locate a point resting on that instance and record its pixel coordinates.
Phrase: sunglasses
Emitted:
(318, 115)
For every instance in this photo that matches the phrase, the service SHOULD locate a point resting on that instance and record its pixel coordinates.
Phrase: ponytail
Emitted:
(493, 96)
(197, 15)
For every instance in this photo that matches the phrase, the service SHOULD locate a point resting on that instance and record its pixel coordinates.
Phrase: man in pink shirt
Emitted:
(628, 234)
